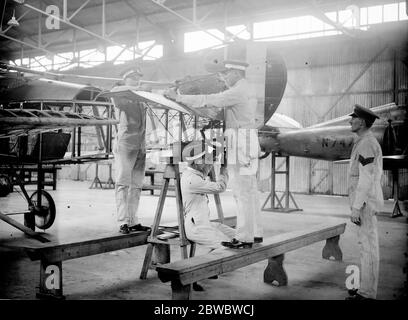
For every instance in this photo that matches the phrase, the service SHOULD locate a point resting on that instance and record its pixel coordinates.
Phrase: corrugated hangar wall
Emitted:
(325, 79)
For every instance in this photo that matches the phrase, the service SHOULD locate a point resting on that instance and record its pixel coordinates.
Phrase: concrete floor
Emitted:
(82, 213)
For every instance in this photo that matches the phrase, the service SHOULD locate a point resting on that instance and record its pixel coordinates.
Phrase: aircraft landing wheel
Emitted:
(44, 215)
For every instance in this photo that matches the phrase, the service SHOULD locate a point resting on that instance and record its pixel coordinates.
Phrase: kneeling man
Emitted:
(195, 188)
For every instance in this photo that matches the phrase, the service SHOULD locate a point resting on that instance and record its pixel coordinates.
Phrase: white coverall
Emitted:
(365, 194)
(239, 103)
(199, 228)
(130, 158)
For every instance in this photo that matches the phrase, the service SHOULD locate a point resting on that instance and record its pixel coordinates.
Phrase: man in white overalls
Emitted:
(195, 187)
(366, 198)
(239, 104)
(130, 155)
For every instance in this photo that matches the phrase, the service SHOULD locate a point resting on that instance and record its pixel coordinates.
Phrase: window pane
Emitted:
(403, 11)
(90, 58)
(316, 24)
(155, 53)
(240, 31)
(262, 29)
(332, 17)
(290, 26)
(363, 16)
(391, 12)
(346, 18)
(303, 24)
(25, 62)
(374, 14)
(198, 40)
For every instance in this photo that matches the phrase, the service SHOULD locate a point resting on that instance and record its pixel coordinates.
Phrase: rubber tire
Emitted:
(51, 209)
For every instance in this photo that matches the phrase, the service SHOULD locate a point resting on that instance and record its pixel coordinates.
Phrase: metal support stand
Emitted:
(97, 184)
(286, 196)
(110, 184)
(396, 210)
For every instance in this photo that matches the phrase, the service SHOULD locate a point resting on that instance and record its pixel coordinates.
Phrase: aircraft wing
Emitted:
(22, 121)
(157, 100)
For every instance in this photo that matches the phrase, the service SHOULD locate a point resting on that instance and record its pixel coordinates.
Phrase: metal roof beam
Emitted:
(77, 10)
(73, 25)
(31, 46)
(157, 2)
(319, 14)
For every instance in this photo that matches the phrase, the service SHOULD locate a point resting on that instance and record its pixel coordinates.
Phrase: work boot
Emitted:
(236, 244)
(358, 297)
(124, 229)
(258, 239)
(138, 227)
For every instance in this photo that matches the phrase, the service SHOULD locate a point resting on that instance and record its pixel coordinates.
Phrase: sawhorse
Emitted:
(97, 184)
(161, 248)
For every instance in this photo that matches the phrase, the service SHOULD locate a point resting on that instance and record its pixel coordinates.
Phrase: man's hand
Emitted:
(209, 111)
(355, 216)
(171, 94)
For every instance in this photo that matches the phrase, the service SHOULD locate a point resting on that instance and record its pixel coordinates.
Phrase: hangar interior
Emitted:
(336, 53)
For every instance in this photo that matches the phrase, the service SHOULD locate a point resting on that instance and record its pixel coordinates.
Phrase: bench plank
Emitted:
(221, 261)
(52, 251)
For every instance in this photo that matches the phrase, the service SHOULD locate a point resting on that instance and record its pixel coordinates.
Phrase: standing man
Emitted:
(130, 155)
(195, 188)
(239, 104)
(366, 198)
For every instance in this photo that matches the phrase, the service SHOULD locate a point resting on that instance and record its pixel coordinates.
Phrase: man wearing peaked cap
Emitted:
(130, 155)
(366, 198)
(364, 113)
(239, 104)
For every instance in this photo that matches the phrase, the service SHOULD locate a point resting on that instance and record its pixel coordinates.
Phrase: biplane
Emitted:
(41, 125)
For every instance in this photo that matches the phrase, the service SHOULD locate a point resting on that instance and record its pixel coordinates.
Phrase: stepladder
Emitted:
(158, 248)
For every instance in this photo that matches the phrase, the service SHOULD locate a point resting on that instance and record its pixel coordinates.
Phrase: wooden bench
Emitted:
(51, 255)
(183, 273)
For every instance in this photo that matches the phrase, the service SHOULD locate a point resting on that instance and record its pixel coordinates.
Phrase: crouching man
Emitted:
(195, 188)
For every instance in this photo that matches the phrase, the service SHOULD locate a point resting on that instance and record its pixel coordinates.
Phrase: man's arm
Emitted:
(223, 99)
(198, 185)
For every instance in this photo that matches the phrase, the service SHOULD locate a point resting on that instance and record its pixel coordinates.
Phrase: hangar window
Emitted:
(402, 11)
(150, 50)
(292, 28)
(90, 58)
(199, 40)
(239, 31)
(310, 26)
(63, 60)
(375, 14)
(22, 63)
(119, 54)
(391, 12)
(40, 63)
